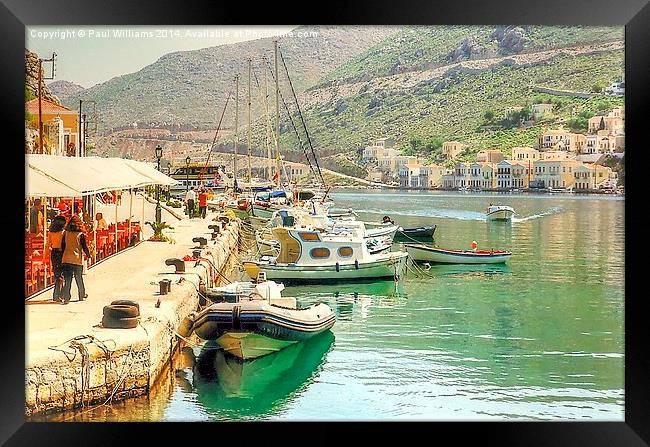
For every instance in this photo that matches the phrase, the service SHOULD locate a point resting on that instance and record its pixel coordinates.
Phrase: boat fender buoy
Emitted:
(356, 264)
(474, 245)
(338, 267)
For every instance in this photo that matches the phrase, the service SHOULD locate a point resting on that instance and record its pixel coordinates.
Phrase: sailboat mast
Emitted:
(236, 126)
(250, 170)
(277, 111)
(268, 127)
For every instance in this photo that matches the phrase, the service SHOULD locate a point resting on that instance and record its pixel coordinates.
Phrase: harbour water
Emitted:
(541, 338)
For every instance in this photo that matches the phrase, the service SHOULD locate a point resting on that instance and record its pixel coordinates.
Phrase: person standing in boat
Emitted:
(54, 249)
(74, 247)
(203, 202)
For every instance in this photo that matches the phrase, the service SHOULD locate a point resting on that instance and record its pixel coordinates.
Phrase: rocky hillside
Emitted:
(190, 87)
(31, 78)
(415, 84)
(64, 89)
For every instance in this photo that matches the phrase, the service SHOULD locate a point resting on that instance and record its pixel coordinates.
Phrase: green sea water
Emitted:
(541, 338)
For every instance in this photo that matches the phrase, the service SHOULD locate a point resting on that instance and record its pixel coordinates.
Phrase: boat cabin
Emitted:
(311, 247)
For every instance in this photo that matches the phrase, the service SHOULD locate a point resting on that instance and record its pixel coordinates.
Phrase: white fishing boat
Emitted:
(499, 212)
(252, 319)
(421, 252)
(307, 255)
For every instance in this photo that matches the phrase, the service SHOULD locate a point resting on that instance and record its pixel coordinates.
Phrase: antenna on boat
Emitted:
(250, 177)
(277, 110)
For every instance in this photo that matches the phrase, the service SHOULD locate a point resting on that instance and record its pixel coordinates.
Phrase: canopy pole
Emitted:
(130, 213)
(142, 221)
(115, 198)
(94, 227)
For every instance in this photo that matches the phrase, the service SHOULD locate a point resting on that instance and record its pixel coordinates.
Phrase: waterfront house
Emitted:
(378, 149)
(490, 156)
(555, 173)
(451, 149)
(593, 176)
(539, 111)
(60, 128)
(431, 176)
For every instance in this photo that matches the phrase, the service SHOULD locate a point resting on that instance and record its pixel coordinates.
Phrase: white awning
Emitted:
(38, 184)
(153, 173)
(90, 175)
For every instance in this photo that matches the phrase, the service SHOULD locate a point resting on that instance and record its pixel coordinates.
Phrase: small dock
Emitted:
(73, 363)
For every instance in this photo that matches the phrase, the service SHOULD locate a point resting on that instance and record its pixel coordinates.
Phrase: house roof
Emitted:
(590, 158)
(48, 107)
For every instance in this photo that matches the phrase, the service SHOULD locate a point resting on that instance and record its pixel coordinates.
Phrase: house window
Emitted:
(319, 253)
(345, 252)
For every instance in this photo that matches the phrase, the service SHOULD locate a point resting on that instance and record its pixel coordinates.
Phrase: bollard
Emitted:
(179, 264)
(201, 240)
(163, 287)
(196, 254)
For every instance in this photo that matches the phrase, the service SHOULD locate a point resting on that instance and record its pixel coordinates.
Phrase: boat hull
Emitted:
(500, 215)
(391, 266)
(408, 234)
(250, 329)
(241, 214)
(442, 256)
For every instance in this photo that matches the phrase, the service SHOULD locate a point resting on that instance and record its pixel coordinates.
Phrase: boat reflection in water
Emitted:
(229, 388)
(432, 269)
(343, 296)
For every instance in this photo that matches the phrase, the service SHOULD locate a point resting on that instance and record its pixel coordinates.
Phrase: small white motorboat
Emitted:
(252, 319)
(307, 255)
(421, 252)
(500, 212)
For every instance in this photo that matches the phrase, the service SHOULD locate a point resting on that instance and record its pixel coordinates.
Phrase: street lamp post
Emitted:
(187, 173)
(158, 212)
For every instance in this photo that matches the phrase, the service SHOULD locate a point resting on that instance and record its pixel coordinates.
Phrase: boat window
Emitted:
(309, 236)
(345, 252)
(319, 252)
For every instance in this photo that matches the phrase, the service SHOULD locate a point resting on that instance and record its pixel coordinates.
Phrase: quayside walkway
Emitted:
(72, 362)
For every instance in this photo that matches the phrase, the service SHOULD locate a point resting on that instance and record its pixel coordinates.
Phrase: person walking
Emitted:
(190, 197)
(53, 249)
(74, 247)
(203, 203)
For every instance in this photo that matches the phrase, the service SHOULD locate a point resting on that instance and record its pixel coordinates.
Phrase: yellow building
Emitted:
(555, 173)
(490, 156)
(451, 149)
(562, 140)
(60, 128)
(591, 176)
(525, 154)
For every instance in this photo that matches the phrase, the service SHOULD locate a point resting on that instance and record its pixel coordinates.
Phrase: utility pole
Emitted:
(40, 99)
(80, 130)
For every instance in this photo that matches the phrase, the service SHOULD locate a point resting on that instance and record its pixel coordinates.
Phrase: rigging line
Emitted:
(216, 134)
(295, 129)
(301, 117)
(293, 125)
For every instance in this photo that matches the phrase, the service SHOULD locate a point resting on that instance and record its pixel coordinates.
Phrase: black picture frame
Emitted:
(634, 14)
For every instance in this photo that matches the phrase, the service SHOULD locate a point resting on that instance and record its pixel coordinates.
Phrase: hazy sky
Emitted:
(88, 55)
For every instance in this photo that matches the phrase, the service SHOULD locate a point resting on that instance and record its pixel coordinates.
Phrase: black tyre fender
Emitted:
(121, 311)
(119, 323)
(127, 303)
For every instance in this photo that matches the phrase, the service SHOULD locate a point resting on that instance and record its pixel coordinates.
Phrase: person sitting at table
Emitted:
(74, 247)
(101, 222)
(53, 248)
